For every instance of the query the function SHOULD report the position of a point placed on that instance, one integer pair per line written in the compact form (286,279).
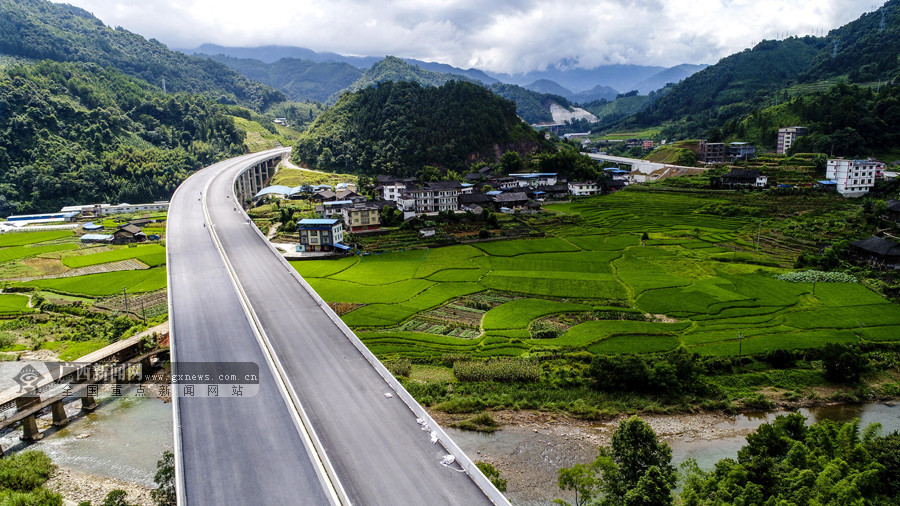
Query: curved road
(223,441)
(373,441)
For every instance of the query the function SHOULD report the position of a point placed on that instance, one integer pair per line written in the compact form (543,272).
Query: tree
(511,162)
(636,469)
(116,498)
(492,474)
(164,494)
(843,363)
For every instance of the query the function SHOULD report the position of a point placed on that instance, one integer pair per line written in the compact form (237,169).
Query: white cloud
(503,36)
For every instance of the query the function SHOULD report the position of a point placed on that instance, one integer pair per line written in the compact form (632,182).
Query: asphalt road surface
(233,450)
(379,452)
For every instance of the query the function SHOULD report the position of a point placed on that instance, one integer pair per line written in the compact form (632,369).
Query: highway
(230,450)
(371,442)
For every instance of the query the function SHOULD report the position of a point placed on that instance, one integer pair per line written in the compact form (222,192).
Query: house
(712,152)
(647,144)
(349,195)
(511,200)
(583,188)
(362,216)
(616,185)
(466,188)
(128,233)
(321,234)
(878,251)
(324,196)
(280,121)
(433,197)
(391,190)
(893,209)
(535,179)
(554,191)
(787,137)
(329,209)
(634,143)
(504,183)
(854,178)
(107,209)
(746,178)
(741,151)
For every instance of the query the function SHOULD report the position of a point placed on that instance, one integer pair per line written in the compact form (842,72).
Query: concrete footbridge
(327,423)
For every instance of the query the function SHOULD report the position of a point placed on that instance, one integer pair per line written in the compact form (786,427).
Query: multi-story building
(787,137)
(432,197)
(362,216)
(741,151)
(854,178)
(583,188)
(321,234)
(712,152)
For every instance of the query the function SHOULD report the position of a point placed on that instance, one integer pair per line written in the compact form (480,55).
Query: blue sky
(501,36)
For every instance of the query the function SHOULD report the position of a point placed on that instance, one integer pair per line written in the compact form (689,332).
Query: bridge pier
(60,418)
(88,403)
(30,430)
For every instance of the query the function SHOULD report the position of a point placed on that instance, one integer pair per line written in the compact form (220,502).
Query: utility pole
(125,298)
(758,232)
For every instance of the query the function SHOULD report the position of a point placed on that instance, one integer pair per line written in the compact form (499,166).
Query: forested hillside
(732,88)
(37,29)
(78,133)
(395,69)
(866,50)
(298,79)
(398,128)
(846,120)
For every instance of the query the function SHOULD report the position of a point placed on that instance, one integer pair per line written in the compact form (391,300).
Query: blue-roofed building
(44,218)
(321,234)
(91,226)
(277,189)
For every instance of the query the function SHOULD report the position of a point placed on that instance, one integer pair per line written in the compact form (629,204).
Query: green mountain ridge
(400,127)
(38,30)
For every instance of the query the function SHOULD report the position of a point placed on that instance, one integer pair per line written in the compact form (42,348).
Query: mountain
(619,77)
(395,69)
(598,92)
(76,133)
(731,88)
(299,79)
(37,29)
(864,50)
(549,87)
(400,127)
(674,74)
(271,54)
(443,68)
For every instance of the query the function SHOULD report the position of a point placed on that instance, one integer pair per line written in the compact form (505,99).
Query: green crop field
(152,255)
(23,238)
(104,284)
(21,252)
(13,304)
(693,278)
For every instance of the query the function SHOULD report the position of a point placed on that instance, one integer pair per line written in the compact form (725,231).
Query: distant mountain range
(575,84)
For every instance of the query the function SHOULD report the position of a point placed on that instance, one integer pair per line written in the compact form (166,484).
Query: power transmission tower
(164,85)
(837,42)
(881,26)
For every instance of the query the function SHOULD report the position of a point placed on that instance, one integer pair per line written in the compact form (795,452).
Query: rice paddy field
(694,281)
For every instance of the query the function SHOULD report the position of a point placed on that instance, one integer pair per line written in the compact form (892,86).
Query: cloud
(503,36)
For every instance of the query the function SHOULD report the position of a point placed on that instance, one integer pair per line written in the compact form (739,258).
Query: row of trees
(783,462)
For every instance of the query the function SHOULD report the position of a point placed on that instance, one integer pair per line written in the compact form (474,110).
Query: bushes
(502,370)
(675,373)
(843,363)
(24,472)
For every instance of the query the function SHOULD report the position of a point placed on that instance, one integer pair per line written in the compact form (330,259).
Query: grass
(104,284)
(14,253)
(518,314)
(73,350)
(152,255)
(23,238)
(295,177)
(13,304)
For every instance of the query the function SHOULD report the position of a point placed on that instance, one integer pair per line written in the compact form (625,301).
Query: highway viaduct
(329,424)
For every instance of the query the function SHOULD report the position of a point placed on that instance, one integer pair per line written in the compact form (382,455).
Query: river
(125,437)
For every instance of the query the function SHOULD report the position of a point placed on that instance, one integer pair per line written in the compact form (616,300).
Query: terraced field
(691,282)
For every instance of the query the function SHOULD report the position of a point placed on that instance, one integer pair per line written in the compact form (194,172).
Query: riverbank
(531,447)
(76,486)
